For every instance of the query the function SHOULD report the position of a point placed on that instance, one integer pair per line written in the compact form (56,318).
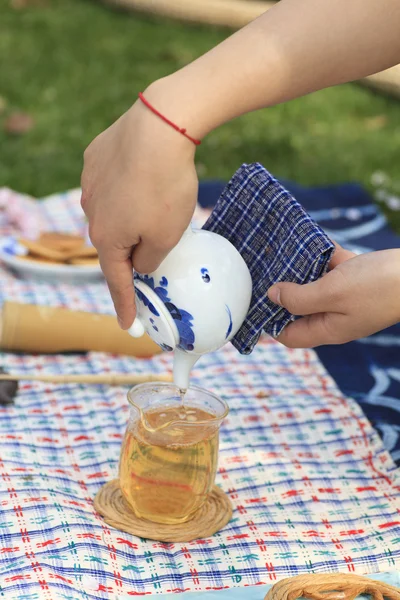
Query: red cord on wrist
(166,120)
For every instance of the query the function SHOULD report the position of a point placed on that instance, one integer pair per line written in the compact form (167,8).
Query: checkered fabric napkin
(278,241)
(312,486)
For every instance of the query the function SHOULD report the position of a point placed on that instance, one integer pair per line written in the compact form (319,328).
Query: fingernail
(119,321)
(275,295)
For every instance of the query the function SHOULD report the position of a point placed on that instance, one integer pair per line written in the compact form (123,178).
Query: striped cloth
(312,486)
(278,241)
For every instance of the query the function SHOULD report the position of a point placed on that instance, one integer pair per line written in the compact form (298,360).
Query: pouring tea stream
(195,302)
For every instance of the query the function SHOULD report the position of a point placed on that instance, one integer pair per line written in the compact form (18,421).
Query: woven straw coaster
(331,586)
(210,518)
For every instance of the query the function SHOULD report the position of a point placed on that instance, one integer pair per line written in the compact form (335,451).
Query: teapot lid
(153,317)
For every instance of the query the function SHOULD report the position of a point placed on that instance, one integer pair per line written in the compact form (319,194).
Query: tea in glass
(170,451)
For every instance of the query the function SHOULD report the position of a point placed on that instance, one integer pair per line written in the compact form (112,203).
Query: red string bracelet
(166,120)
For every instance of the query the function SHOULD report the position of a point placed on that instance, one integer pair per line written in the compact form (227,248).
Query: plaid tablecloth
(312,486)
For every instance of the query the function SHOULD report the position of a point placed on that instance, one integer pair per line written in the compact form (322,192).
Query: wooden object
(215,513)
(45,330)
(228,13)
(331,586)
(103,379)
(236,14)
(387,81)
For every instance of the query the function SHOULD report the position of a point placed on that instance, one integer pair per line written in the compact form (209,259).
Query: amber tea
(169,461)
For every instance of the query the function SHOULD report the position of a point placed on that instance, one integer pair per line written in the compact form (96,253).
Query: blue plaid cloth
(278,240)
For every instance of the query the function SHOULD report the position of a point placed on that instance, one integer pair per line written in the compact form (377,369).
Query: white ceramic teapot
(195,301)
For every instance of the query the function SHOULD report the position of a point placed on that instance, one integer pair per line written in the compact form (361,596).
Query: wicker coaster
(331,586)
(210,518)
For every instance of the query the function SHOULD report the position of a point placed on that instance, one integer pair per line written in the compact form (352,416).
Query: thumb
(301,300)
(146,258)
(153,248)
(340,255)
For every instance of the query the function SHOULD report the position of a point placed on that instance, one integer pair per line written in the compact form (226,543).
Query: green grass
(75,66)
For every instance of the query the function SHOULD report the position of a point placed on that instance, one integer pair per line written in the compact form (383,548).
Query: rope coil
(331,586)
(210,518)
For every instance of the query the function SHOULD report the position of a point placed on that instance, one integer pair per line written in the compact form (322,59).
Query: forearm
(297,47)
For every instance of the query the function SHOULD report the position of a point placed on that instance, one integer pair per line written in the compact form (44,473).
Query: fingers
(340,255)
(153,248)
(117,268)
(321,304)
(302,299)
(146,258)
(312,331)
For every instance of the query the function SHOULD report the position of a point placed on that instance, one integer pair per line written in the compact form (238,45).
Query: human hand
(139,182)
(139,192)
(358,297)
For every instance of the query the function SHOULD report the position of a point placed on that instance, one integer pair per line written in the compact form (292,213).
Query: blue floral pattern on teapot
(183,319)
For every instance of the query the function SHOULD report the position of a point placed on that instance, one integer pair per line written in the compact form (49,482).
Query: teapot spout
(183,364)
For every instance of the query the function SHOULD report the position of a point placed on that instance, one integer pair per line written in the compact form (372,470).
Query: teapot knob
(137,329)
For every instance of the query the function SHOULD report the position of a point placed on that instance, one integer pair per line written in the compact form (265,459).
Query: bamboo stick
(387,81)
(228,13)
(237,13)
(50,329)
(106,378)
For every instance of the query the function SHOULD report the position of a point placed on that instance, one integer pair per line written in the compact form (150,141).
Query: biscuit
(36,249)
(92,261)
(83,252)
(61,241)
(38,259)
(60,248)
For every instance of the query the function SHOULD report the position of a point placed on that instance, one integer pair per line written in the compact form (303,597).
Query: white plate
(51,273)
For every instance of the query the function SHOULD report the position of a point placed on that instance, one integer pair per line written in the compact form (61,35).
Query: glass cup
(169,454)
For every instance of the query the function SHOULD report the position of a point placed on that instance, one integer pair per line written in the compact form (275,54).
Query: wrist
(157,139)
(223,84)
(176,99)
